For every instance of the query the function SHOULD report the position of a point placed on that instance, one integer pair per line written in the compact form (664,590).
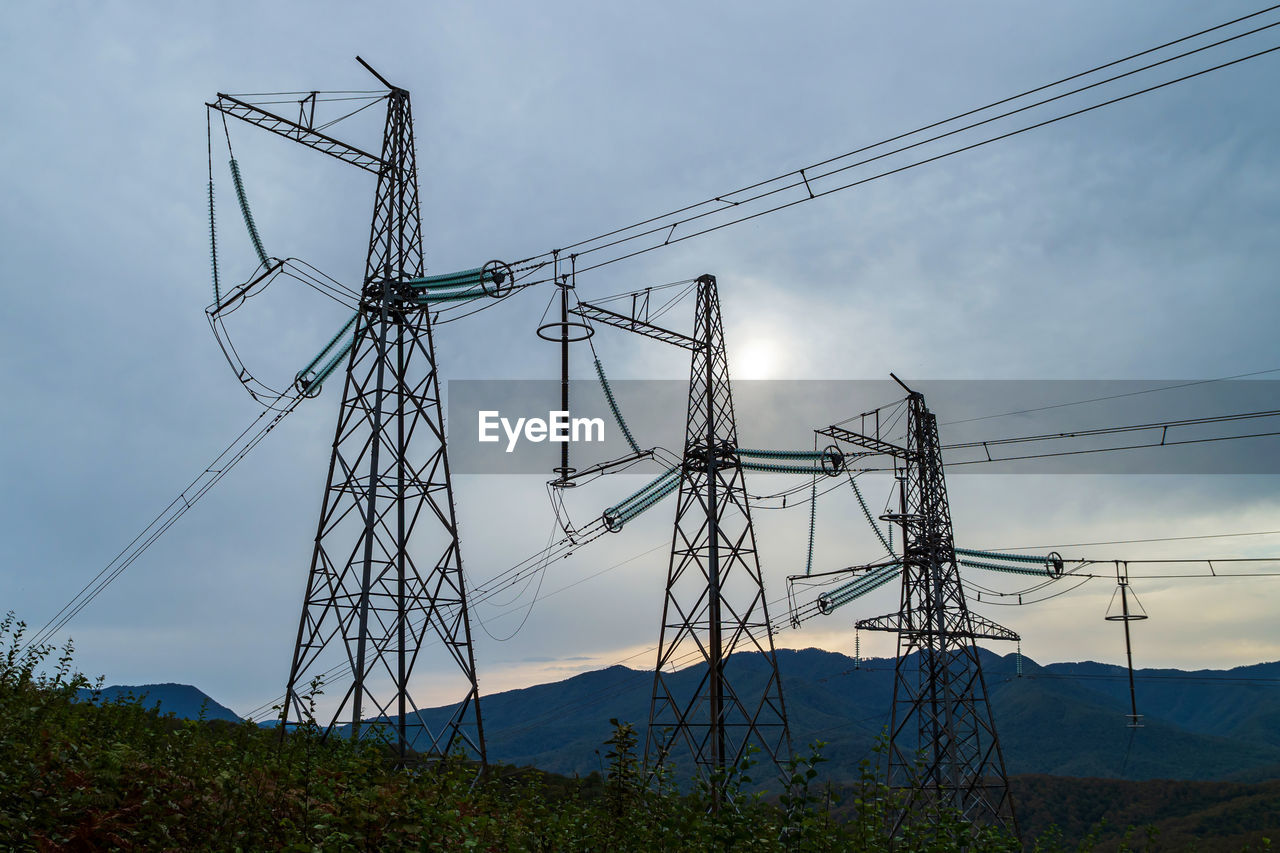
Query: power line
(1113,396)
(1163,442)
(1133,541)
(965,114)
(666,224)
(167,517)
(1115,430)
(1048,454)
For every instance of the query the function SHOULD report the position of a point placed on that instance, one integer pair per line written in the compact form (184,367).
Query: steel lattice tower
(386,573)
(715,604)
(944,753)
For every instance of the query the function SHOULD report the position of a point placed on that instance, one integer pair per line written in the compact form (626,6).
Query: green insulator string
(663,484)
(858,587)
(857,493)
(248,215)
(464,278)
(648,502)
(333,364)
(813,518)
(430,297)
(213,248)
(1019,653)
(1012,558)
(213,231)
(814,455)
(329,346)
(995,567)
(613,407)
(857,649)
(770,468)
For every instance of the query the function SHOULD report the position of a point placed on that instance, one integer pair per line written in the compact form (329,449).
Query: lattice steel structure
(714,603)
(944,753)
(386,572)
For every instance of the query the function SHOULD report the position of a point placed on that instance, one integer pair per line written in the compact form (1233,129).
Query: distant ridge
(182,700)
(1061,719)
(1064,719)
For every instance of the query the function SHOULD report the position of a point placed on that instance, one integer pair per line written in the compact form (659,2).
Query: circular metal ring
(1053,564)
(306,387)
(612,522)
(1132,617)
(832,460)
(501,272)
(824,604)
(566,335)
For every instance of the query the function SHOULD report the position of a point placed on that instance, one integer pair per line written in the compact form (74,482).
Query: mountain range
(1065,719)
(1062,719)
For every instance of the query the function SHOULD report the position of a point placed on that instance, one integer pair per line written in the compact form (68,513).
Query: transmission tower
(386,571)
(944,754)
(714,603)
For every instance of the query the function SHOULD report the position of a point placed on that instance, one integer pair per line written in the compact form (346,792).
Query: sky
(1136,242)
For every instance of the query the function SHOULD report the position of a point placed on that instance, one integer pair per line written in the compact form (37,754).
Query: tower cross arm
(281,126)
(587,311)
(979,628)
(871,443)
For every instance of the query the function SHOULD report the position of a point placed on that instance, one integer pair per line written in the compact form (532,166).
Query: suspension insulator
(308,379)
(813,524)
(858,587)
(613,407)
(493,279)
(1011,558)
(753,453)
(996,567)
(311,377)
(771,468)
(213,246)
(857,493)
(434,297)
(248,214)
(620,513)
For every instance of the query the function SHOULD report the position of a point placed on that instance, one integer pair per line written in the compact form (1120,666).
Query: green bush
(116,775)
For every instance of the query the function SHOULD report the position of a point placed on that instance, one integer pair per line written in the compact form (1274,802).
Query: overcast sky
(1136,242)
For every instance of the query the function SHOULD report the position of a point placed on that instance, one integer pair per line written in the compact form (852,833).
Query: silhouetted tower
(943,750)
(714,604)
(386,574)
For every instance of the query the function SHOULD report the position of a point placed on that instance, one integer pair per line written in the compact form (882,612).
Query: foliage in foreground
(96,776)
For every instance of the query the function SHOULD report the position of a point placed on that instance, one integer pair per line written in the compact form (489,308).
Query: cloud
(1137,242)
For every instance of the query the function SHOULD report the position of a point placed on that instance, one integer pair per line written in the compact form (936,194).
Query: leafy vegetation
(106,775)
(1201,816)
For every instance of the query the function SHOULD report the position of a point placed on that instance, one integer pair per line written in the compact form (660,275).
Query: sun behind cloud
(755,358)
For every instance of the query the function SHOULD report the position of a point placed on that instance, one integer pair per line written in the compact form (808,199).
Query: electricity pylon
(714,605)
(944,754)
(386,571)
